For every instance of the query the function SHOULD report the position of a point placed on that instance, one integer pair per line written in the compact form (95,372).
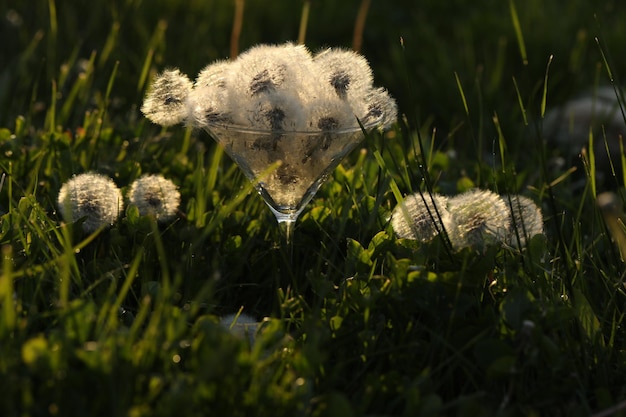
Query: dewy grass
(125,319)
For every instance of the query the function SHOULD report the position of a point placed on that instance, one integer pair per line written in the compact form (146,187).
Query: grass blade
(518,32)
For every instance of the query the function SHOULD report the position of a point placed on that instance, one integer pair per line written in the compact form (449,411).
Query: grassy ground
(125,321)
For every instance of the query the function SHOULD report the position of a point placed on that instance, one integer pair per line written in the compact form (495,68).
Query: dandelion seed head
(271,112)
(165,103)
(329,113)
(91,196)
(155,195)
(214,75)
(267,80)
(207,102)
(340,81)
(379,107)
(327,123)
(526,220)
(482,218)
(345,71)
(266,69)
(421,217)
(205,106)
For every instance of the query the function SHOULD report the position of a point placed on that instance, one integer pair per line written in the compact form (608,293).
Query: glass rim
(245,129)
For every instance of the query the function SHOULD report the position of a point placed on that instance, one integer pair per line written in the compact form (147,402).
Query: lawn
(146,317)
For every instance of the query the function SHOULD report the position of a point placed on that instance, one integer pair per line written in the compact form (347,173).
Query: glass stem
(286,227)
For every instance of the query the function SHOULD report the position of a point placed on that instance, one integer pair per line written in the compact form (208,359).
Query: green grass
(126,321)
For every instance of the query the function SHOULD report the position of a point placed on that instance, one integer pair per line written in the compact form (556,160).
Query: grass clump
(135,317)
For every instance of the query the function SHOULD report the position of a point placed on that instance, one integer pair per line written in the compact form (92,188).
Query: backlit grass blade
(501,141)
(145,70)
(7,321)
(518,32)
(131,274)
(544,96)
(604,60)
(304,20)
(392,183)
(460,88)
(109,45)
(520,102)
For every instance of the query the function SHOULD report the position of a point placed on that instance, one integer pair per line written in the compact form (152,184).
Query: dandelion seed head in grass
(155,195)
(93,197)
(421,217)
(526,220)
(166,100)
(482,218)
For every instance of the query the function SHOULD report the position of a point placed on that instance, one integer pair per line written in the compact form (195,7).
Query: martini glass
(286,167)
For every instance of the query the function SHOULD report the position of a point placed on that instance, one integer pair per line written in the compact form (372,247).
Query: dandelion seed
(482,218)
(166,100)
(526,220)
(155,195)
(421,217)
(93,197)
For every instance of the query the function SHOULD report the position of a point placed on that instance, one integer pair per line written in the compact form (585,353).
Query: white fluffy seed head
(155,195)
(273,111)
(421,217)
(380,108)
(93,197)
(264,69)
(207,102)
(346,72)
(214,75)
(329,113)
(526,220)
(266,86)
(166,101)
(205,107)
(482,218)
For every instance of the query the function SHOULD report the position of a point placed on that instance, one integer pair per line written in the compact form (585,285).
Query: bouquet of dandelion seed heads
(279,88)
(278,103)
(475,219)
